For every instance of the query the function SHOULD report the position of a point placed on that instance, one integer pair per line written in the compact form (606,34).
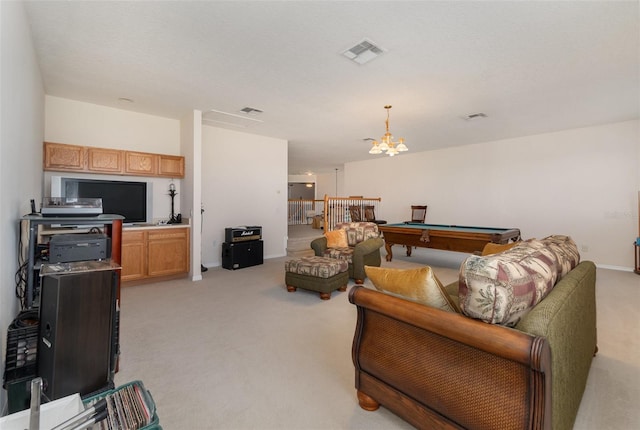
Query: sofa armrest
(438,369)
(319,246)
(567,319)
(368,246)
(367,253)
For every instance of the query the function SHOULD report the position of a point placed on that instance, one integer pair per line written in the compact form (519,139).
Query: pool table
(445,237)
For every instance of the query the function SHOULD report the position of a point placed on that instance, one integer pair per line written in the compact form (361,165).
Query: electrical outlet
(584,248)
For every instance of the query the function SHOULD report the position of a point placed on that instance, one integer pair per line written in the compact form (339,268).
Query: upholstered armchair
(358,243)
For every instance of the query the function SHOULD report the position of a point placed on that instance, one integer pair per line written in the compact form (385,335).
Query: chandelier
(386,144)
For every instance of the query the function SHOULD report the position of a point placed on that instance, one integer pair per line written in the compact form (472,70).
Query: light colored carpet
(237,351)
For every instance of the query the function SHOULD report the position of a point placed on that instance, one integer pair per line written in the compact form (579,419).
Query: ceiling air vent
(363,52)
(474,116)
(251,111)
(218,117)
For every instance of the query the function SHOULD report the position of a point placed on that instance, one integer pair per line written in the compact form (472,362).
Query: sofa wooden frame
(523,397)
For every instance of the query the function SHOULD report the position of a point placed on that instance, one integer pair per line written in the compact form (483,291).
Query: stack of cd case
(129,406)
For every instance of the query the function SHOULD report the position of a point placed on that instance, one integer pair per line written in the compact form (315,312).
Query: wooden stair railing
(334,210)
(337,208)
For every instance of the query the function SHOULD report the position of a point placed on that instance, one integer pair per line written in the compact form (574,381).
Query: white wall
(328,183)
(86,124)
(244,182)
(78,123)
(579,182)
(21,134)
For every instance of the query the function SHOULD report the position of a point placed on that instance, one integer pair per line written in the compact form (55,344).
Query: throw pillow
(418,285)
(502,288)
(495,248)
(566,251)
(337,238)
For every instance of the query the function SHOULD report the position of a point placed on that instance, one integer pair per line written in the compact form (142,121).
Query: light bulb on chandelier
(386,144)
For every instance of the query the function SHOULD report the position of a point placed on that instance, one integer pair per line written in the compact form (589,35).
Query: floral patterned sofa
(508,346)
(358,243)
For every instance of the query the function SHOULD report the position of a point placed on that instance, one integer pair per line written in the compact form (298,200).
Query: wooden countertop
(150,226)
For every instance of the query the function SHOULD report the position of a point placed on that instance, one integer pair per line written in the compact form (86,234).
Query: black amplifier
(65,248)
(242,234)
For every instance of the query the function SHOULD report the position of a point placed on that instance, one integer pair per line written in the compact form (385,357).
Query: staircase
(299,241)
(299,247)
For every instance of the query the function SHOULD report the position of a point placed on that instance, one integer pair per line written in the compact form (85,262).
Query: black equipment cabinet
(238,255)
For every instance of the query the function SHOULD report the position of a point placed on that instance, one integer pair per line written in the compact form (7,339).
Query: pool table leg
(387,247)
(409,247)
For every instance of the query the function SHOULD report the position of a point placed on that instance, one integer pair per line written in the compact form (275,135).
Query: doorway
(302,190)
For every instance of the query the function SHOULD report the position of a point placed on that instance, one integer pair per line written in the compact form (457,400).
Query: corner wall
(86,124)
(191,198)
(579,182)
(21,134)
(244,182)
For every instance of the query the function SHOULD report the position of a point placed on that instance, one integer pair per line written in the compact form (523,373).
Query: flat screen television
(125,198)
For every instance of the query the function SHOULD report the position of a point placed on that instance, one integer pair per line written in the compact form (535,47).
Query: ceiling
(531,67)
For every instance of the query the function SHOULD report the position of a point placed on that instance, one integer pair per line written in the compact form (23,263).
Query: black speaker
(77,324)
(238,255)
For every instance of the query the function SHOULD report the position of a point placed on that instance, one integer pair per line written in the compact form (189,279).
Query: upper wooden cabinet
(104,160)
(63,157)
(140,163)
(171,166)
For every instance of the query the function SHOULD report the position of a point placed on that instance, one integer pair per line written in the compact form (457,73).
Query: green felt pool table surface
(445,237)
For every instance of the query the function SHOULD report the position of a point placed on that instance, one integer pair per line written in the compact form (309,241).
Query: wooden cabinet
(155,252)
(134,255)
(168,251)
(87,159)
(140,163)
(171,166)
(58,156)
(104,160)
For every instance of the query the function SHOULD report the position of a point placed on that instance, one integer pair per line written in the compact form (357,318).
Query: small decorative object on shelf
(174,219)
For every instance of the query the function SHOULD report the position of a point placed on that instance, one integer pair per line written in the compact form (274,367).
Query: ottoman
(320,274)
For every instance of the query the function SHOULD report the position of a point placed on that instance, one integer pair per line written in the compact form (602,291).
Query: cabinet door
(171,166)
(134,255)
(104,160)
(59,156)
(168,252)
(140,163)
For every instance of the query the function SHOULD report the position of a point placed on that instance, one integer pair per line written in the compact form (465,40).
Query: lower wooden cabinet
(133,255)
(154,252)
(168,251)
